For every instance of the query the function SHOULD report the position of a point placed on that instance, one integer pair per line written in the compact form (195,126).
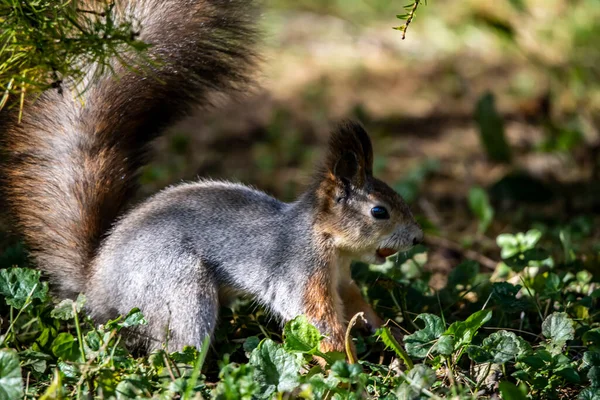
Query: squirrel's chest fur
(239,238)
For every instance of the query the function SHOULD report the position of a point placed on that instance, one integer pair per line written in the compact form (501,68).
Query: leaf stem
(348,338)
(79,334)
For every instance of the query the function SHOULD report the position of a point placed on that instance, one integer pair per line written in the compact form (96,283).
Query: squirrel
(70,168)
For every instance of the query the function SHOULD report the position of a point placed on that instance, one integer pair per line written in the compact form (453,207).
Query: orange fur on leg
(323,307)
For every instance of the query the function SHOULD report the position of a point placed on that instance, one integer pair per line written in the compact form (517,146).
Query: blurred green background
(485,118)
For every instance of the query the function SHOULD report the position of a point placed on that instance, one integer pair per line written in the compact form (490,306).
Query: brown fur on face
(346,192)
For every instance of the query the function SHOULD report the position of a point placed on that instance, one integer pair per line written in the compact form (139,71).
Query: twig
(468,253)
(348,338)
(168,365)
(27,384)
(409,18)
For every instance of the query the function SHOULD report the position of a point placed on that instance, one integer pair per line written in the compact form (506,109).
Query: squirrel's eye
(380,212)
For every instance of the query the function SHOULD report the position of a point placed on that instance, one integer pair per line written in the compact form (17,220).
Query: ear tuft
(347,167)
(350,153)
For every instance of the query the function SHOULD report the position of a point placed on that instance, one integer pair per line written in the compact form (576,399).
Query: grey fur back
(192,240)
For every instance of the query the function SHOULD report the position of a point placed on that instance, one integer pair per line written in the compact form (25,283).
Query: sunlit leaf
(11,382)
(19,284)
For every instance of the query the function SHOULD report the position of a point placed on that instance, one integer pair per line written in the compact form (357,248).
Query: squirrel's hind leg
(176,292)
(184,313)
(193,316)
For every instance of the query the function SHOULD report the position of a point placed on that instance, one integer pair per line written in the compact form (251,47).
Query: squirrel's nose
(418,237)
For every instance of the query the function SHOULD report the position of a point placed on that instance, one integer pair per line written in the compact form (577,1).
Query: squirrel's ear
(350,154)
(348,168)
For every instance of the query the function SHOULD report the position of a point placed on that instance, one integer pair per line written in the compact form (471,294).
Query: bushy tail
(71,164)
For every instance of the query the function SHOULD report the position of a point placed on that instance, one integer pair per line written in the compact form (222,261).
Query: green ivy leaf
(236,382)
(589,394)
(64,309)
(251,343)
(189,355)
(591,362)
(11,382)
(531,238)
(557,328)
(512,245)
(592,338)
(569,374)
(419,343)
(521,260)
(319,387)
(34,359)
(508,243)
(275,369)
(539,356)
(93,340)
(547,285)
(498,348)
(345,372)
(19,284)
(69,370)
(534,361)
(591,359)
(107,381)
(444,345)
(464,331)
(510,391)
(65,347)
(521,375)
(301,336)
(504,294)
(133,318)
